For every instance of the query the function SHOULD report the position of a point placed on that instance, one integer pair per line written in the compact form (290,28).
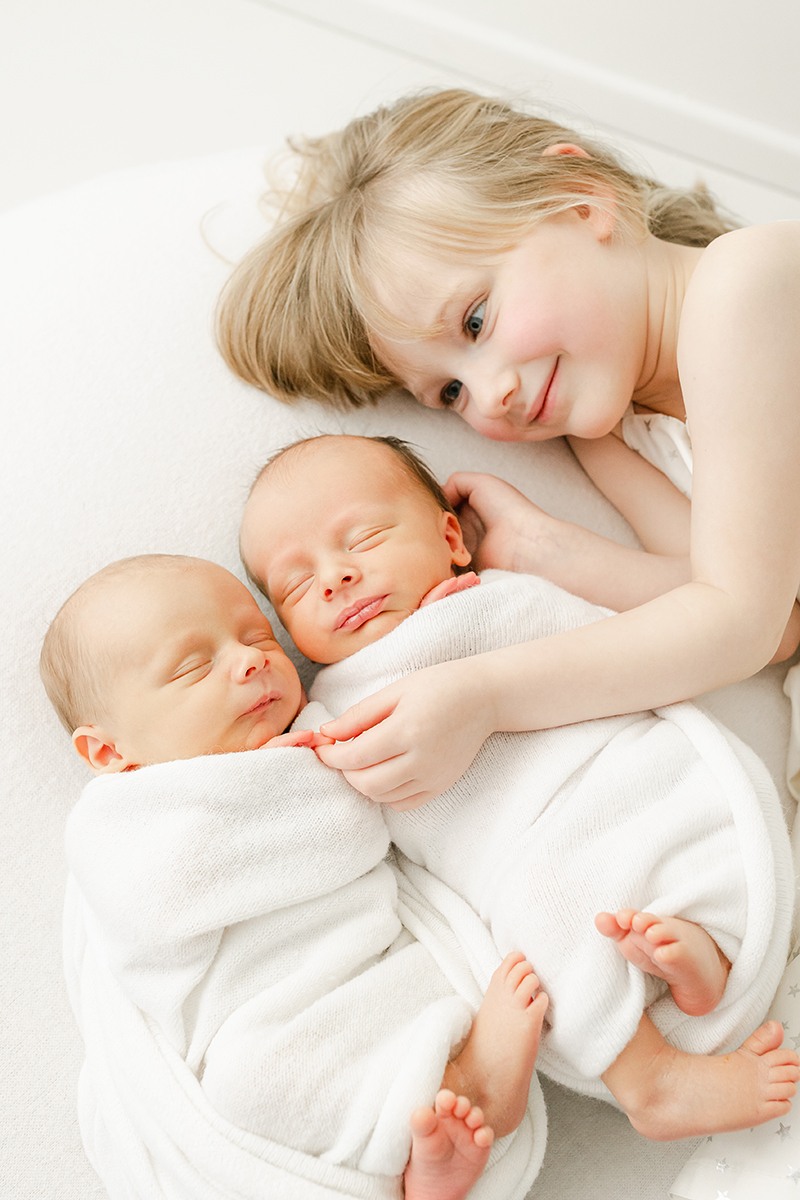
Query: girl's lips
(356,615)
(543,403)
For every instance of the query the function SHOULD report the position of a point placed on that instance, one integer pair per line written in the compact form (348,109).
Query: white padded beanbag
(123,432)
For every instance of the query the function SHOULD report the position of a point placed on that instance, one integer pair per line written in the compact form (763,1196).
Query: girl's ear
(96,747)
(566,148)
(460,555)
(603,217)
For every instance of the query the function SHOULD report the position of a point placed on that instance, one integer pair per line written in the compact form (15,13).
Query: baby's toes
(528,988)
(445,1102)
(474,1118)
(784,1073)
(644,922)
(626,917)
(483,1137)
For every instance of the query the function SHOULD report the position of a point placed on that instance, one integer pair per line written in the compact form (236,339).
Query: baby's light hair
(75,673)
(411,465)
(442,172)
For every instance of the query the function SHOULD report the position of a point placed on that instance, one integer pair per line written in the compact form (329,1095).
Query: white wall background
(88,86)
(715,79)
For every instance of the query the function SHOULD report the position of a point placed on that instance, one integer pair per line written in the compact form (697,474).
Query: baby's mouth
(357,614)
(264,703)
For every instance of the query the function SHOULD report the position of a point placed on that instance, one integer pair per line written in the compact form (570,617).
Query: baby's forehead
(128,613)
(303,464)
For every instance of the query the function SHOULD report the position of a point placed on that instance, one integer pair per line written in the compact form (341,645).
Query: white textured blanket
(258,1022)
(665,812)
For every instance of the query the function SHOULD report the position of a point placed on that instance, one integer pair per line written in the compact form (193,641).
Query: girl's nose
(493,394)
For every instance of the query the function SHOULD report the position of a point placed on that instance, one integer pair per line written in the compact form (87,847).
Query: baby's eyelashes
(367,540)
(294,590)
(191,670)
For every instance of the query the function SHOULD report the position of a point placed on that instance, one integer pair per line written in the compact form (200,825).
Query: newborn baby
(349,537)
(237,890)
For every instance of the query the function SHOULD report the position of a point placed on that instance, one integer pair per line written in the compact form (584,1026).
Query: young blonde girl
(500,265)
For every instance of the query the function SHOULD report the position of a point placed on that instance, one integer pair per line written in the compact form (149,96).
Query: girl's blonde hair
(444,173)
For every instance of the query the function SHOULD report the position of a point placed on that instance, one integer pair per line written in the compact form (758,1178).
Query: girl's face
(547,339)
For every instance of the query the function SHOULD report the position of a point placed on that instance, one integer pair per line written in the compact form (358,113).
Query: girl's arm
(658,513)
(660,516)
(740,370)
(507,531)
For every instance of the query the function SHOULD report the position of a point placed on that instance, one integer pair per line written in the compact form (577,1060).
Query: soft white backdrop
(91,86)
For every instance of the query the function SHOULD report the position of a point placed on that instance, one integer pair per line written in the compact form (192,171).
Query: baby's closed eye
(293,589)
(368,539)
(191,670)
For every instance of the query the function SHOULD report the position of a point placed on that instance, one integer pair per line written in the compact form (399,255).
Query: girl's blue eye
(474,322)
(451,392)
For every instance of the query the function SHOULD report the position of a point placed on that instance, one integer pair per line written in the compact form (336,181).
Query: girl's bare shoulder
(754,263)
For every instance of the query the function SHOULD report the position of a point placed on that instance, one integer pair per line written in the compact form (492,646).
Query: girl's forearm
(675,647)
(604,572)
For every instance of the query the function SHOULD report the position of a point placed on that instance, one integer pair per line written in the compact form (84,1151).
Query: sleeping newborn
(233,891)
(640,862)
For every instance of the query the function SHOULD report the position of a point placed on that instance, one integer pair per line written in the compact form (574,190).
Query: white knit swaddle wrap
(257,1021)
(663,811)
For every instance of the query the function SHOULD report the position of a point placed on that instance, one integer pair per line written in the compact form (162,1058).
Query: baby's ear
(96,747)
(460,555)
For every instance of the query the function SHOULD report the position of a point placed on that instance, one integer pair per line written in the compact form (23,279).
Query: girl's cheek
(496,431)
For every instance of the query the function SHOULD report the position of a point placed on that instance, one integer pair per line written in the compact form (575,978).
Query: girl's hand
(501,527)
(414,739)
(299,737)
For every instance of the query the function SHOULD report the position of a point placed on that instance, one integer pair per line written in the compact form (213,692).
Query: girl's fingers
(460,485)
(362,716)
(364,753)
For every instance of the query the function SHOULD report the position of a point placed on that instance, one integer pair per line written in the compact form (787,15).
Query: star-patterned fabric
(753,1164)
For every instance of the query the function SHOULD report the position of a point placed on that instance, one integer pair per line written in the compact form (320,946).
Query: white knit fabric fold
(665,812)
(258,1022)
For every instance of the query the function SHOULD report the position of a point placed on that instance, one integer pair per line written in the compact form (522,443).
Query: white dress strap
(664,441)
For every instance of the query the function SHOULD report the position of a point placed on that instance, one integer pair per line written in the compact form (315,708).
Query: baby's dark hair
(409,461)
(446,172)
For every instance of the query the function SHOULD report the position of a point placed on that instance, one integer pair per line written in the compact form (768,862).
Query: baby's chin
(348,644)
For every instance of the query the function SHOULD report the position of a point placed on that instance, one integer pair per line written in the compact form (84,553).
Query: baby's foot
(686,1095)
(449,1148)
(496,1064)
(675,950)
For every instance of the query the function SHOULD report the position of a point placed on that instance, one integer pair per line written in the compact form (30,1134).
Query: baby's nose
(251,661)
(337,580)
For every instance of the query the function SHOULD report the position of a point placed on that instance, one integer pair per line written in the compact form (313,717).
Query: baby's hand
(458,583)
(299,737)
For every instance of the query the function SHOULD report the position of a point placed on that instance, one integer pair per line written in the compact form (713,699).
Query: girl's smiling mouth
(357,614)
(542,406)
